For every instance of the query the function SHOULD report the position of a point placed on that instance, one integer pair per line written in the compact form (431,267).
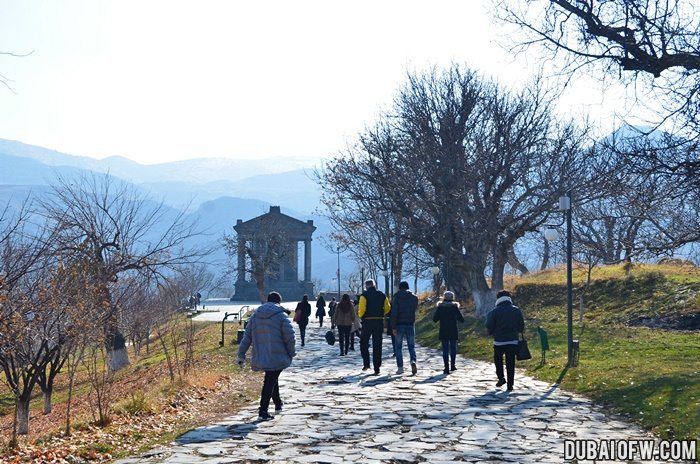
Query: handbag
(356,325)
(523,351)
(330,337)
(297,315)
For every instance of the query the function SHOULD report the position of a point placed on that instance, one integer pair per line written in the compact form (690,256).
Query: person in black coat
(304,310)
(320,309)
(504,323)
(448,314)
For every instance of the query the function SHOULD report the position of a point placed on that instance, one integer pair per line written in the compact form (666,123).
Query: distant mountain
(193,171)
(216,192)
(293,189)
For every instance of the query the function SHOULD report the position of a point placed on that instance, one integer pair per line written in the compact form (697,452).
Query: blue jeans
(409,332)
(449,347)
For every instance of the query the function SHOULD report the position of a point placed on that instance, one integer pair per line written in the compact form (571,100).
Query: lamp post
(337,249)
(552,234)
(385,273)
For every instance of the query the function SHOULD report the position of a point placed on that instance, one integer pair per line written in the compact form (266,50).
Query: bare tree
(119,231)
(469,167)
(653,45)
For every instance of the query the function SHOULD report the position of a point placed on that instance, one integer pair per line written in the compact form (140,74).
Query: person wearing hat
(402,321)
(448,314)
(272,337)
(504,323)
(373,307)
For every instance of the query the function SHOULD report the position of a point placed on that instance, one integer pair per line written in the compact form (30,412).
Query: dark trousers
(449,348)
(302,332)
(320,321)
(509,351)
(270,389)
(344,338)
(375,329)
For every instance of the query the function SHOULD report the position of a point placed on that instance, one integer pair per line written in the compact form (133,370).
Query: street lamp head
(564,203)
(435,270)
(551,234)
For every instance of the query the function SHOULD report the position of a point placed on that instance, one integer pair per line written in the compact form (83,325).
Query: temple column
(241,259)
(307,260)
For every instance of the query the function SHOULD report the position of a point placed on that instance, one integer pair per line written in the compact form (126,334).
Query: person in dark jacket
(331,311)
(373,306)
(272,337)
(504,323)
(448,314)
(343,317)
(320,309)
(304,308)
(402,324)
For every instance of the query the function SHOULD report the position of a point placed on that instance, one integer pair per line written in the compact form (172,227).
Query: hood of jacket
(268,310)
(448,303)
(403,295)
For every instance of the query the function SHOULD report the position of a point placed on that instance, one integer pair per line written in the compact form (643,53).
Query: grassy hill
(628,363)
(147,408)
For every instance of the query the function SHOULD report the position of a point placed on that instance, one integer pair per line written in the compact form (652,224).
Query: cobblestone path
(334,412)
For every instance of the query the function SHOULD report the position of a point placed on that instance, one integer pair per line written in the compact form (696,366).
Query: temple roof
(294,228)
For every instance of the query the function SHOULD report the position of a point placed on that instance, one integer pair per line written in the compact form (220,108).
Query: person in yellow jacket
(372,308)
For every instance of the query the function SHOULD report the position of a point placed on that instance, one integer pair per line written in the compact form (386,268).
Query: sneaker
(453,368)
(278,407)
(263,416)
(399,371)
(376,372)
(446,371)
(414,368)
(366,368)
(510,388)
(500,383)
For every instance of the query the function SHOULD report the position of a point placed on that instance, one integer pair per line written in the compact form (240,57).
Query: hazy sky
(159,80)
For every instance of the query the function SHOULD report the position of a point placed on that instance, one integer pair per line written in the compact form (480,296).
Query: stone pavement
(334,412)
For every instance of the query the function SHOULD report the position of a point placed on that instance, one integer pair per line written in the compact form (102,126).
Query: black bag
(330,337)
(523,351)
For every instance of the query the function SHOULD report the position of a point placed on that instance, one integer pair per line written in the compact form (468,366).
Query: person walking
(331,311)
(504,323)
(343,317)
(373,306)
(448,314)
(402,324)
(272,337)
(303,310)
(320,309)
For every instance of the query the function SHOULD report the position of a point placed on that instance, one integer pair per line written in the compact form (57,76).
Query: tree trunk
(515,262)
(23,415)
(116,352)
(47,400)
(545,255)
(499,266)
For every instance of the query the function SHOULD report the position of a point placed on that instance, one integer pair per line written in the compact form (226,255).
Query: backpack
(330,337)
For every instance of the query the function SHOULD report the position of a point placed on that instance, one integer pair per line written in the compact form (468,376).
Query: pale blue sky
(159,80)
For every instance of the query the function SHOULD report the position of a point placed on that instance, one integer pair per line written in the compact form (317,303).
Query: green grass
(650,375)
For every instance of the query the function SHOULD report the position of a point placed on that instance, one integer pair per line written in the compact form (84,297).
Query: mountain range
(214,192)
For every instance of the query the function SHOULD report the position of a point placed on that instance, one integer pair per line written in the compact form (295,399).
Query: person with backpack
(402,321)
(270,333)
(373,307)
(320,309)
(302,313)
(504,323)
(448,314)
(331,311)
(343,317)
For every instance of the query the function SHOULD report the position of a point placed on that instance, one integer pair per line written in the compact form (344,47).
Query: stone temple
(283,233)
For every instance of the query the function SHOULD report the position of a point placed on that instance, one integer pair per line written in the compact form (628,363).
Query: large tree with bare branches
(121,233)
(651,44)
(469,167)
